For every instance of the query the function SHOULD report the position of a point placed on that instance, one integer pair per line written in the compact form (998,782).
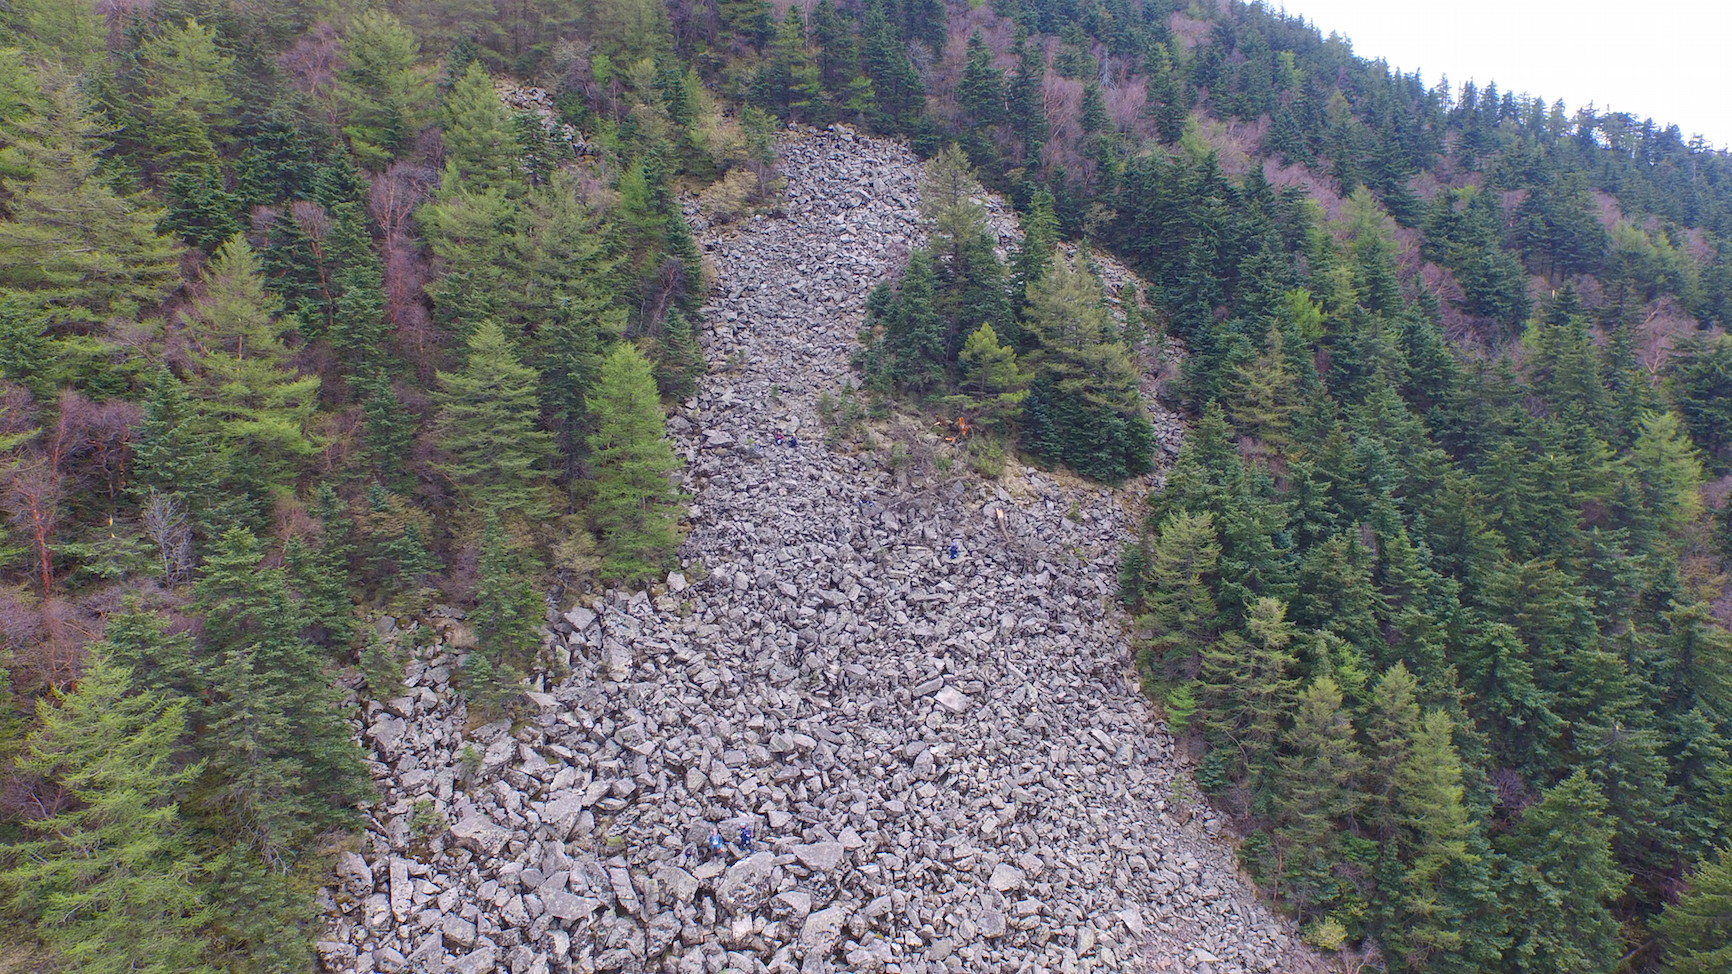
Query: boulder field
(884,719)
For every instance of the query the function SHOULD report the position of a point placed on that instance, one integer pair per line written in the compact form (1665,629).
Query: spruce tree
(113,881)
(1085,407)
(482,151)
(283,762)
(1177,588)
(1317,793)
(259,409)
(981,90)
(636,505)
(993,384)
(1562,873)
(382,88)
(1696,931)
(74,247)
(493,453)
(507,617)
(186,96)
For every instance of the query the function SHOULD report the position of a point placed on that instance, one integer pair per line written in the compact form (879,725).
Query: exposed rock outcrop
(911,692)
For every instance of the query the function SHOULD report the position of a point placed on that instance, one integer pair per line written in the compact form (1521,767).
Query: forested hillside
(310,310)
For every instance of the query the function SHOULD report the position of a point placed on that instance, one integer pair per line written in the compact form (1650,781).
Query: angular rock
(746,884)
(478,833)
(820,856)
(482,961)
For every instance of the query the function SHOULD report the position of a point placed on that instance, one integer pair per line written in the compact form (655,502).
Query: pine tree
(477,234)
(114,881)
(636,504)
(73,32)
(1026,97)
(1039,241)
(1561,872)
(482,151)
(1320,766)
(1085,408)
(1176,588)
(283,763)
(993,384)
(1442,865)
(912,337)
(186,96)
(177,473)
(74,247)
(1264,394)
(158,660)
(259,409)
(981,90)
(1669,473)
(382,88)
(494,454)
(507,616)
(1697,930)
(320,569)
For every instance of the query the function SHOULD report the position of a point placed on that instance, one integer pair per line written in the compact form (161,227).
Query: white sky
(1669,60)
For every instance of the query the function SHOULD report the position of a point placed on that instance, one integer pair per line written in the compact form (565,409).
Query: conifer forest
(316,312)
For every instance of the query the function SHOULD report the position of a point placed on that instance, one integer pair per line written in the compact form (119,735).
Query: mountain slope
(944,760)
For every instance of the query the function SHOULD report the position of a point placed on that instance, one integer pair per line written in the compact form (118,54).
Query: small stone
(821,930)
(580,618)
(458,931)
(483,961)
(952,700)
(338,958)
(1006,877)
(356,875)
(565,906)
(389,960)
(796,902)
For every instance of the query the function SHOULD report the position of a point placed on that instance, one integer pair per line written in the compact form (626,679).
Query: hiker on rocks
(779,438)
(746,839)
(793,442)
(954,551)
(717,843)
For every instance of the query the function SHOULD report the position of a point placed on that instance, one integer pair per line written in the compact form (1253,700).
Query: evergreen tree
(636,506)
(1084,409)
(1320,766)
(259,409)
(185,81)
(494,455)
(74,247)
(74,32)
(1563,875)
(1027,98)
(1443,867)
(1246,687)
(283,763)
(993,384)
(382,87)
(482,151)
(507,616)
(981,90)
(113,881)
(1697,930)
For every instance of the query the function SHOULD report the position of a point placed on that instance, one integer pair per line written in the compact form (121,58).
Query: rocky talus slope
(942,758)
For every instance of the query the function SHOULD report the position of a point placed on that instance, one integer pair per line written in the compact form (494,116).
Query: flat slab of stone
(820,856)
(952,699)
(478,833)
